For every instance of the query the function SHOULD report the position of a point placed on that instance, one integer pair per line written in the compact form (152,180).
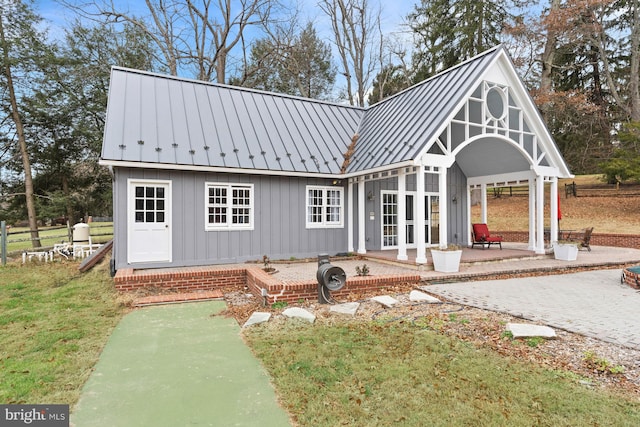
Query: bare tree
(608,34)
(196,34)
(627,95)
(549,52)
(395,72)
(225,33)
(355,26)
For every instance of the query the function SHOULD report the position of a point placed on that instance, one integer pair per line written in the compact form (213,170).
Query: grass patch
(377,374)
(55,322)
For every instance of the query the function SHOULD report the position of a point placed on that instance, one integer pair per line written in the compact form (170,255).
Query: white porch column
(553,205)
(350,215)
(421,251)
(539,214)
(362,218)
(442,206)
(469,226)
(402,216)
(483,200)
(532,215)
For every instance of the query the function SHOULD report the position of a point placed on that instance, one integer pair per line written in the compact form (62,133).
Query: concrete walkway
(176,365)
(592,303)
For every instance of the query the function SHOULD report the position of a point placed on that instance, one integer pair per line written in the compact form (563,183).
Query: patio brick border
(597,239)
(631,278)
(199,279)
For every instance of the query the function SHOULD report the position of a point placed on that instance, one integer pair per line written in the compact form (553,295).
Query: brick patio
(297,280)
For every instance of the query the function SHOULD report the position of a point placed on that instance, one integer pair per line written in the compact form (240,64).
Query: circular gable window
(496,103)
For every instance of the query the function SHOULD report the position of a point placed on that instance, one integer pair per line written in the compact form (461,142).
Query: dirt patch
(607,214)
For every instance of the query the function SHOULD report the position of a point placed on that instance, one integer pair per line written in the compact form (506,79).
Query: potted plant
(447,260)
(565,250)
(267,265)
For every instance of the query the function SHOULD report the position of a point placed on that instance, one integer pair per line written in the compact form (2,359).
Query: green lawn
(374,374)
(55,322)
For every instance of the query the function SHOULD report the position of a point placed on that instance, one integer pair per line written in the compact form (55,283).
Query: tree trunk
(24,153)
(67,199)
(221,66)
(548,55)
(634,84)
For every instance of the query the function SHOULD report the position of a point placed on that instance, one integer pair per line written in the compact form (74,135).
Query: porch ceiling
(491,156)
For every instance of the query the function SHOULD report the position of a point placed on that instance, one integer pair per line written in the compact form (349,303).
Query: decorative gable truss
(490,110)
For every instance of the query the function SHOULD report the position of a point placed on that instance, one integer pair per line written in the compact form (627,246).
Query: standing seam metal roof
(160,119)
(396,129)
(167,120)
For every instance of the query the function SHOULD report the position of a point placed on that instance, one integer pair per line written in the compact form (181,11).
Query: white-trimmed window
(228,206)
(324,207)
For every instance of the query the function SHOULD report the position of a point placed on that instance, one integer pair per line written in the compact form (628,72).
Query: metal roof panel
(189,122)
(398,128)
(157,119)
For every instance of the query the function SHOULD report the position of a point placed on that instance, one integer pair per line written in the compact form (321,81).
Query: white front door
(149,223)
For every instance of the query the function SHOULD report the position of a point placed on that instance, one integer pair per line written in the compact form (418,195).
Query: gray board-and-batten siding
(279,217)
(279,220)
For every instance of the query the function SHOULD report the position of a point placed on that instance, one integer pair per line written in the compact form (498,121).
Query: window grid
(229,206)
(389,219)
(324,207)
(149,204)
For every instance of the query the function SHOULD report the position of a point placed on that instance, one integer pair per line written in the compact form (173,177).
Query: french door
(390,214)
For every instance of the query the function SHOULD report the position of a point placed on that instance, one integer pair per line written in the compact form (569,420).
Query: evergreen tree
(389,81)
(449,32)
(300,66)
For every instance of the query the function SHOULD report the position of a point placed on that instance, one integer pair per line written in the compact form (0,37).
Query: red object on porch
(481,236)
(559,211)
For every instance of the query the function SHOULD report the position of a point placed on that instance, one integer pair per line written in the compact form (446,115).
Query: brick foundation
(179,279)
(597,239)
(256,279)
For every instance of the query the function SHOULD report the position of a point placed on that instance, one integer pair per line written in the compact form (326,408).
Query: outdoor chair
(584,238)
(482,236)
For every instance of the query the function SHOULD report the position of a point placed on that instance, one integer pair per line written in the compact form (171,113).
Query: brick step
(177,298)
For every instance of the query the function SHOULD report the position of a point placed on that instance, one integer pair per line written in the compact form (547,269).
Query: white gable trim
(501,71)
(504,66)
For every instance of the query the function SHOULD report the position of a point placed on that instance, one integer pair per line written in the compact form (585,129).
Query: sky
(393,13)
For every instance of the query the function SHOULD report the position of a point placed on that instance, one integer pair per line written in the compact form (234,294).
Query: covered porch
(492,137)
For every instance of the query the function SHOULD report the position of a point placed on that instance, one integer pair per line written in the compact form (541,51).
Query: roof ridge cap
(233,87)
